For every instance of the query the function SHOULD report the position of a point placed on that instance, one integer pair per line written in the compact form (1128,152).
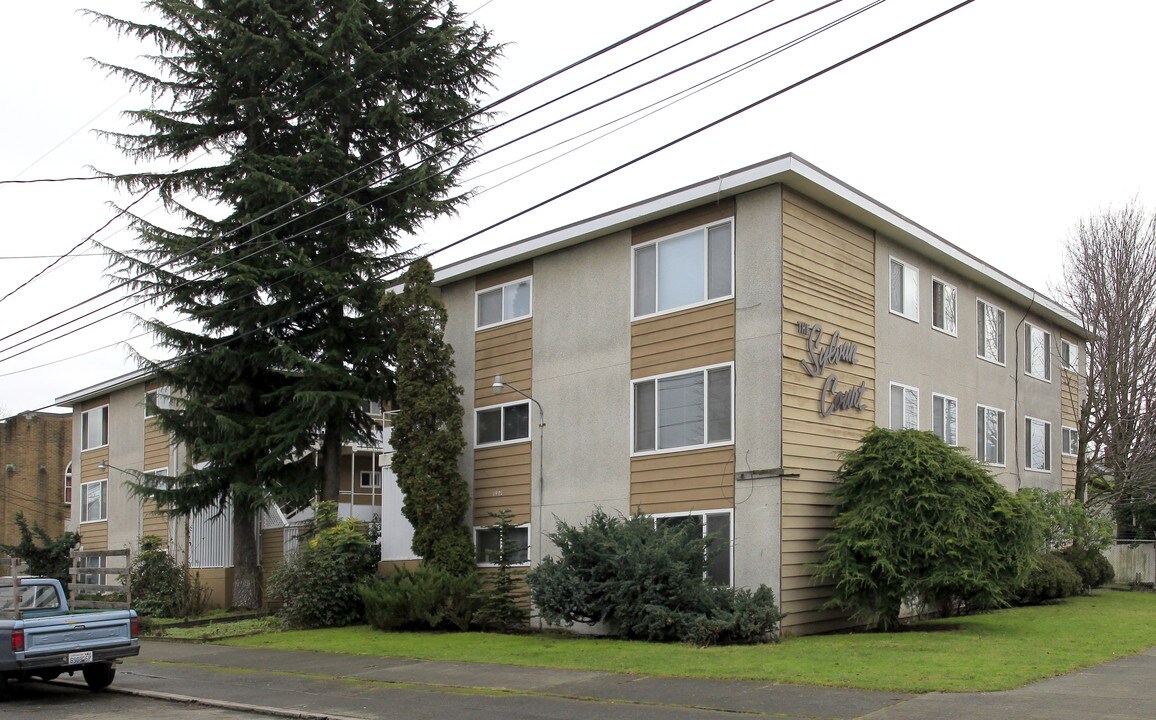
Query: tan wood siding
(502,481)
(272,548)
(1070,385)
(90,463)
(683,221)
(506,350)
(94,536)
(504,275)
(156,446)
(683,481)
(683,340)
(154,522)
(829,279)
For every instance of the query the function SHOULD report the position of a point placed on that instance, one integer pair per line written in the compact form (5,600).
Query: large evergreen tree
(321,132)
(427,432)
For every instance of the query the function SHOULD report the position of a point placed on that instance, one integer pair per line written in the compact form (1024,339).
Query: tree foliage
(1067,522)
(920,522)
(1110,282)
(162,587)
(319,133)
(427,431)
(646,580)
(50,557)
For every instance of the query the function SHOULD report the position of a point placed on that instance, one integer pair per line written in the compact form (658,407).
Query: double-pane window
(491,542)
(504,303)
(716,527)
(505,423)
(1038,444)
(991,332)
(158,399)
(683,270)
(1069,356)
(93,502)
(989,435)
(943,315)
(945,423)
(1069,441)
(94,428)
(904,407)
(683,410)
(1037,352)
(904,290)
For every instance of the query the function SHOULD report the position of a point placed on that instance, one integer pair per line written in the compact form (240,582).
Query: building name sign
(826,352)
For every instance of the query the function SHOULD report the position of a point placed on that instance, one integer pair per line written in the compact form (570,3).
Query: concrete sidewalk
(304,684)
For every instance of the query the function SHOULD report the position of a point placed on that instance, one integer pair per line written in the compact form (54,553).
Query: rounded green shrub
(426,598)
(1093,568)
(317,584)
(161,587)
(1052,579)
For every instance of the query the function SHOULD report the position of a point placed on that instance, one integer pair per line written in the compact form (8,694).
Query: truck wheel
(98,676)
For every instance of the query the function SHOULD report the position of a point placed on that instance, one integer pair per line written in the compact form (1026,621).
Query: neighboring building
(114,431)
(708,353)
(35,476)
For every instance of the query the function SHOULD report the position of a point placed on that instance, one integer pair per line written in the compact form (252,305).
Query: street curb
(222,704)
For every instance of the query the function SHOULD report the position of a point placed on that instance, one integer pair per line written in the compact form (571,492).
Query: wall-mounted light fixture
(10,468)
(497,386)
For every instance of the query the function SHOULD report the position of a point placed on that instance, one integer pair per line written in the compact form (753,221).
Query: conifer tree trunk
(246,565)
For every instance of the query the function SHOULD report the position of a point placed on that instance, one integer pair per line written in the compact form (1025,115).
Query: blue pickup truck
(40,637)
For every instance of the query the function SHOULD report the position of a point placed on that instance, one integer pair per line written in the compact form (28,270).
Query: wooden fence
(92,571)
(1134,561)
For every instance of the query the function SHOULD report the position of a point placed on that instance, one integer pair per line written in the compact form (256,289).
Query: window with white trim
(504,303)
(683,270)
(990,431)
(1038,444)
(715,526)
(990,322)
(68,484)
(904,290)
(157,399)
(94,505)
(904,407)
(94,428)
(1069,441)
(369,479)
(943,307)
(490,541)
(945,418)
(1069,356)
(1037,352)
(683,410)
(502,423)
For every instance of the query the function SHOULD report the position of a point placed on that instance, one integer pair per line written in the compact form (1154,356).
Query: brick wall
(35,449)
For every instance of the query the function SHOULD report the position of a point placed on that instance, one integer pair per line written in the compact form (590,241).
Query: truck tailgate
(62,634)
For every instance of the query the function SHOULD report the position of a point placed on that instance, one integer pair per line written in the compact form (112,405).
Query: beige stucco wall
(916,354)
(758,388)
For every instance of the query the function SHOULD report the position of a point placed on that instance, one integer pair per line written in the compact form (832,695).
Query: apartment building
(707,354)
(35,475)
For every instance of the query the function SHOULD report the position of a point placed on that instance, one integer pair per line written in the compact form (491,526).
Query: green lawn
(993,651)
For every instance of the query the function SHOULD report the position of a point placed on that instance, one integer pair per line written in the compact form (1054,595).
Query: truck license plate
(80,658)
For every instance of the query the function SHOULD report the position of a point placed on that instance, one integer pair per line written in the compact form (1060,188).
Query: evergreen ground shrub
(425,598)
(1052,579)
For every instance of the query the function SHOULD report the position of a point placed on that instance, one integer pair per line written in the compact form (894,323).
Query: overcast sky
(996,127)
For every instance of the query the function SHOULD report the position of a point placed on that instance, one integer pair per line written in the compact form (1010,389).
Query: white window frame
(953,330)
(161,400)
(704,371)
(84,489)
(1029,368)
(702,515)
(1069,356)
(68,484)
(914,391)
(529,279)
(942,417)
(980,328)
(1069,437)
(502,407)
(375,479)
(1030,423)
(85,423)
(911,285)
(657,243)
(981,436)
(478,530)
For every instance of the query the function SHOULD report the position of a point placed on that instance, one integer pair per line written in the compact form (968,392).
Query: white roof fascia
(102,388)
(796,173)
